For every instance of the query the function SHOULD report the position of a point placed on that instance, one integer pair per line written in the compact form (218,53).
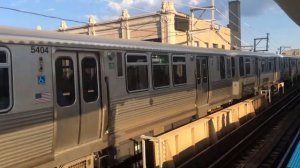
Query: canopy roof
(291,8)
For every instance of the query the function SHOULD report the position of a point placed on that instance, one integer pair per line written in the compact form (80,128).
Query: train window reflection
(65,86)
(137,73)
(4,89)
(160,70)
(179,70)
(89,79)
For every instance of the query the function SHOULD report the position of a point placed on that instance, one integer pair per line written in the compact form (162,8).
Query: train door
(77,107)
(202,79)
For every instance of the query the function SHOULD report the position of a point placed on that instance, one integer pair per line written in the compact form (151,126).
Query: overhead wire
(274,50)
(249,27)
(66,19)
(76,21)
(42,15)
(190,6)
(82,22)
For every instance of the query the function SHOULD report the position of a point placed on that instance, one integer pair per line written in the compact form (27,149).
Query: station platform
(294,161)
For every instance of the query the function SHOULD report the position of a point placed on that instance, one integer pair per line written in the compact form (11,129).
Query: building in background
(165,26)
(235,23)
(295,52)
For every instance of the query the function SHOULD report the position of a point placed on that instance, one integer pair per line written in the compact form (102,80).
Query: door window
(65,85)
(4,82)
(205,71)
(89,79)
(222,67)
(198,71)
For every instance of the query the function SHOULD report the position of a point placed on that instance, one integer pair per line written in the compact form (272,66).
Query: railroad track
(258,143)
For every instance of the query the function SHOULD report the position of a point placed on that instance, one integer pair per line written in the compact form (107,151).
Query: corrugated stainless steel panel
(25,136)
(150,108)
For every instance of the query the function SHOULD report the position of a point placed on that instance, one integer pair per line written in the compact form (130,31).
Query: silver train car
(74,100)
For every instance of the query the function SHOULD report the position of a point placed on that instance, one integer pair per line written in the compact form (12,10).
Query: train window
(270,64)
(120,64)
(255,65)
(4,82)
(263,65)
(247,66)
(160,70)
(65,84)
(233,67)
(222,67)
(89,79)
(179,70)
(241,66)
(137,73)
(228,65)
(4,88)
(3,57)
(5,95)
(136,58)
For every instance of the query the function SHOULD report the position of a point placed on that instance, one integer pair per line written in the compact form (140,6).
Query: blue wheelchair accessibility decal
(41,79)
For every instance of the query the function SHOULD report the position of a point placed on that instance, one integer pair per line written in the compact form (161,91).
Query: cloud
(256,7)
(50,9)
(115,6)
(118,5)
(248,7)
(194,2)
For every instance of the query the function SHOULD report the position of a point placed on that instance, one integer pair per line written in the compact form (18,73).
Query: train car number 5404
(39,49)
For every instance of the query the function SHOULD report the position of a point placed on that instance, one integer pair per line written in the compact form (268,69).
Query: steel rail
(280,105)
(255,131)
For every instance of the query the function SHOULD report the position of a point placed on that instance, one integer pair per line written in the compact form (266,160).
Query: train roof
(38,37)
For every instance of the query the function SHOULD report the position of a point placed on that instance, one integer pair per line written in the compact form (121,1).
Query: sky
(258,17)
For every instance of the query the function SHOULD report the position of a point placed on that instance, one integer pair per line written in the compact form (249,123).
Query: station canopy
(292,8)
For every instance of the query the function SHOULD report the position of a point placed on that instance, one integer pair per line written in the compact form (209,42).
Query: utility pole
(203,9)
(213,14)
(258,40)
(282,48)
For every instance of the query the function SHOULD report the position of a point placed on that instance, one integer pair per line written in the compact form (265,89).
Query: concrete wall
(178,145)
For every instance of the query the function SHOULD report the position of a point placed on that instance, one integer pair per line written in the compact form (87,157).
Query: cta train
(79,101)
